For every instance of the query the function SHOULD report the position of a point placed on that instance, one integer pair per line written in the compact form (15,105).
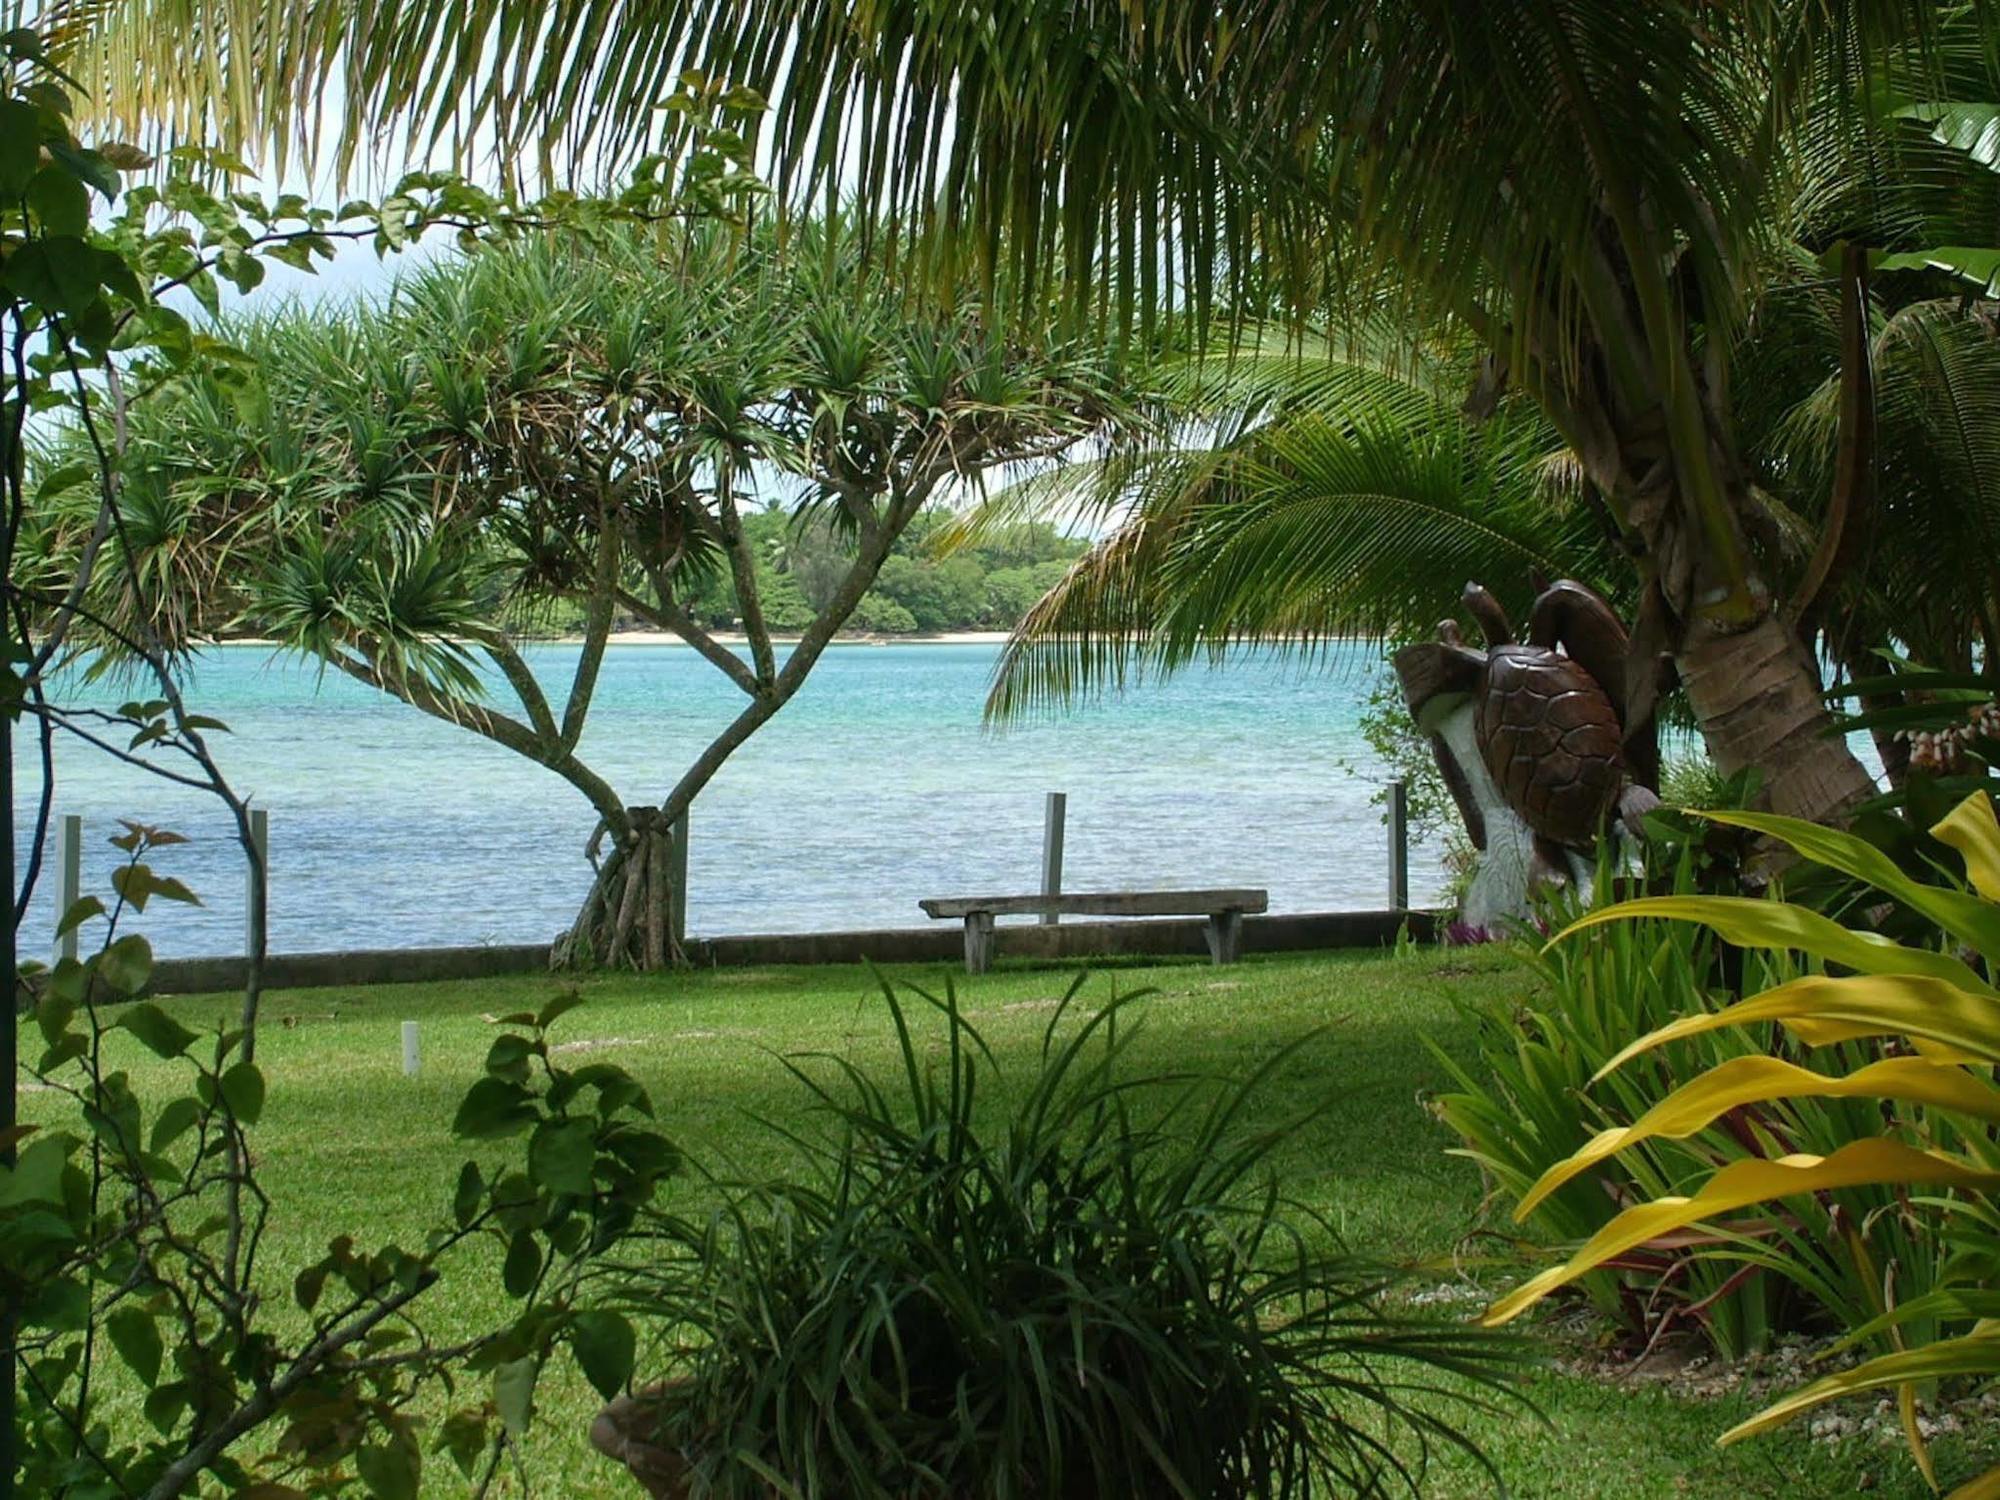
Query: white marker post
(410,1055)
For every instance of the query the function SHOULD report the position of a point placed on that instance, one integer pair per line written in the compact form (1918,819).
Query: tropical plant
(1924,1131)
(1525,1101)
(1593,193)
(1081,1283)
(403,491)
(1300,499)
(133,1220)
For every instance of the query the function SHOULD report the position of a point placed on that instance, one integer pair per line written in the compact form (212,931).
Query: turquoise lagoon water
(877,786)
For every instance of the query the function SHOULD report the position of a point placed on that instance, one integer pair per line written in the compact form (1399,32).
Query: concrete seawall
(944,942)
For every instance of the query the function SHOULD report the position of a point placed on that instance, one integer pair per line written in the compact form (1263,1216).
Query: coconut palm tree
(1296,497)
(1593,190)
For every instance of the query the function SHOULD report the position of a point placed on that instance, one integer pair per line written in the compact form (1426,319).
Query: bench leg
(1225,936)
(978,942)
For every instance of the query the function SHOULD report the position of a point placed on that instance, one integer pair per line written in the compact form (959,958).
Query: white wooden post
(410,1054)
(69,869)
(254,894)
(1399,846)
(677,873)
(1052,850)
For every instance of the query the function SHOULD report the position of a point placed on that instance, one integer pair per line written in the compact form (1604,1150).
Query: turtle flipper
(1548,865)
(1633,805)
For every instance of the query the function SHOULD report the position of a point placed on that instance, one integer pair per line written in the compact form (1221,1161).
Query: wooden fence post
(1399,846)
(1053,813)
(69,868)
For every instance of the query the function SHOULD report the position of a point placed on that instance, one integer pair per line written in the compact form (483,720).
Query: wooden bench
(1223,908)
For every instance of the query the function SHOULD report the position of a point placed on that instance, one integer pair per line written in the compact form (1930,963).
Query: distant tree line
(990,583)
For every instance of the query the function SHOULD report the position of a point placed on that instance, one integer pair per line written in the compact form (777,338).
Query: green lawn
(350,1145)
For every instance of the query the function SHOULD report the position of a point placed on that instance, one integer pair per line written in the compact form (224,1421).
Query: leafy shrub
(1070,1301)
(1922,1131)
(1536,1092)
(132,1220)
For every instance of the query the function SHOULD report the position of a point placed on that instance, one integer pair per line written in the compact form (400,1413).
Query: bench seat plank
(1195,903)
(1224,907)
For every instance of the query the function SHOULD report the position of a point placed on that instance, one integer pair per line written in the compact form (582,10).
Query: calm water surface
(875,787)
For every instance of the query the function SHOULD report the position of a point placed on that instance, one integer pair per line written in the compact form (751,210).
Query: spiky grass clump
(1056,1299)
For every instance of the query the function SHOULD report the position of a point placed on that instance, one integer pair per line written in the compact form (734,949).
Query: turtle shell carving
(1565,743)
(1552,741)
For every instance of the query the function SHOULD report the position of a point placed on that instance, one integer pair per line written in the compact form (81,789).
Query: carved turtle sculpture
(1549,718)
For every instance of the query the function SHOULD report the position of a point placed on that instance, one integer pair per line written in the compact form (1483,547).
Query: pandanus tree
(402,492)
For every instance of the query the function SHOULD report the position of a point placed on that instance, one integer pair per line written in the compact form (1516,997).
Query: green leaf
(20,146)
(561,1005)
(88,165)
(1965,916)
(1977,264)
(463,1436)
(390,1470)
(159,1031)
(136,1337)
(309,1284)
(126,966)
(561,1155)
(60,1306)
(243,1091)
(508,1057)
(60,202)
(492,1108)
(134,882)
(165,1405)
(514,1393)
(1755,922)
(80,911)
(471,1189)
(606,1348)
(523,1265)
(175,1119)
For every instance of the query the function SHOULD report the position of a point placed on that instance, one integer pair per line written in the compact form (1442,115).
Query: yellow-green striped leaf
(1740,1184)
(1959,913)
(1985,1487)
(1976,1353)
(1750,922)
(1820,1011)
(1696,1105)
(1972,829)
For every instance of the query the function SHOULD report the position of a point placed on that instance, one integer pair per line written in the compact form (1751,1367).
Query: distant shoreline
(722,637)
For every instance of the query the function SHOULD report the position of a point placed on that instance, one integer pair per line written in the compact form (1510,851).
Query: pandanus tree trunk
(627,921)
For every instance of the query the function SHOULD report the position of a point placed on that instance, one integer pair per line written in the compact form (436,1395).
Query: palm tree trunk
(1757,700)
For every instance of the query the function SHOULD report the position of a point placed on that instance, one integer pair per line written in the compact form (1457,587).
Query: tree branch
(670,616)
(500,729)
(515,669)
(596,632)
(181,1472)
(743,571)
